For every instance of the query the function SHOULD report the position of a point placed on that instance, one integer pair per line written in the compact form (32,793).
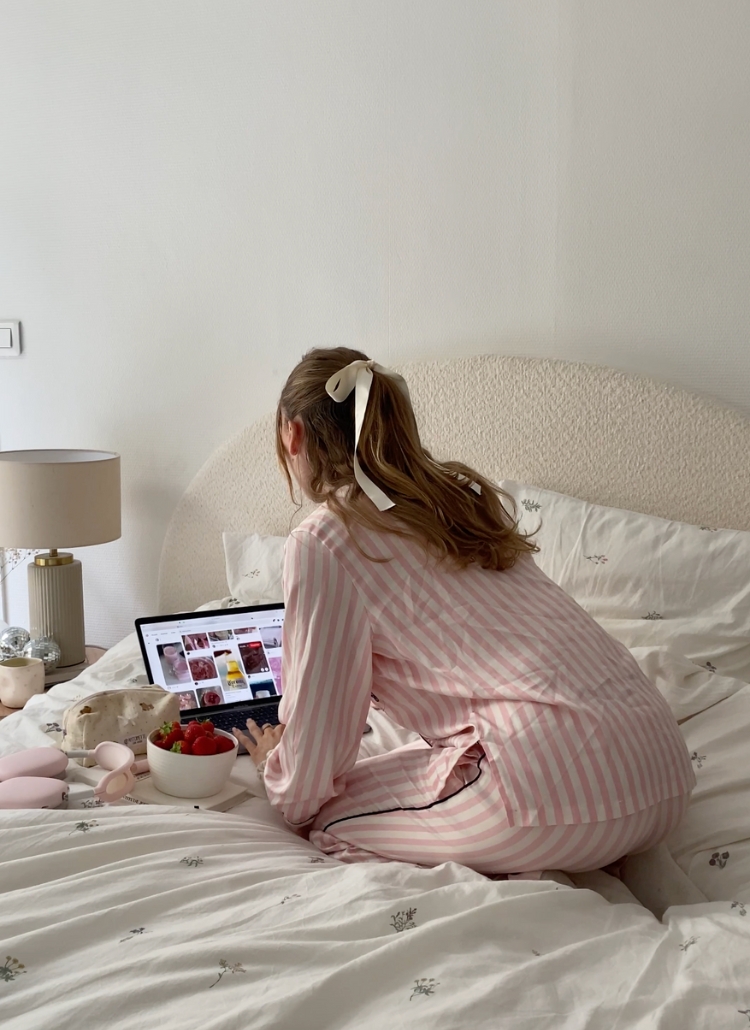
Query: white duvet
(132,917)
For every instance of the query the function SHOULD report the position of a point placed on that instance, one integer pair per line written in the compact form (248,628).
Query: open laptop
(223,665)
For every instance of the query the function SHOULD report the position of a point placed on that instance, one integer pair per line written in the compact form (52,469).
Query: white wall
(193,192)
(653,243)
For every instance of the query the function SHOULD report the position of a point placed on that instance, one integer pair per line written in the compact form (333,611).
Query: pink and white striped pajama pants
(468,825)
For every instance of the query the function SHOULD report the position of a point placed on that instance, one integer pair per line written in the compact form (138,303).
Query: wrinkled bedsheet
(133,917)
(126,916)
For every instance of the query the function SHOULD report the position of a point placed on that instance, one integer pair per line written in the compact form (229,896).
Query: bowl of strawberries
(192,761)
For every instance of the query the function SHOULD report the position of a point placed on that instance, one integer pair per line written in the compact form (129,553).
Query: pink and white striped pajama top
(532,716)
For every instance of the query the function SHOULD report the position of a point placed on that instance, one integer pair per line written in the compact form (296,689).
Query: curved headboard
(584,430)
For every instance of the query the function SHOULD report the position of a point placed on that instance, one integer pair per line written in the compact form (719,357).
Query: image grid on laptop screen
(219,659)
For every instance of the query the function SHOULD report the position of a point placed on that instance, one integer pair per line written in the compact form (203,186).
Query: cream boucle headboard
(584,430)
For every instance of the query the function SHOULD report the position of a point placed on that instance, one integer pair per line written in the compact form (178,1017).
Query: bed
(125,916)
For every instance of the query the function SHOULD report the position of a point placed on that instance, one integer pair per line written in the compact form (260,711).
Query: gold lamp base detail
(56,604)
(53,557)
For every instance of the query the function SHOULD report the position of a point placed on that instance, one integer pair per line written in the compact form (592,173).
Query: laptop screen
(215,658)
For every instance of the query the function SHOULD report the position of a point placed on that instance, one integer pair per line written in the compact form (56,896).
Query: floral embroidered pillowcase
(647,581)
(254,565)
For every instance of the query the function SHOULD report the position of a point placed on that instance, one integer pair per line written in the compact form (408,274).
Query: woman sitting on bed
(543,744)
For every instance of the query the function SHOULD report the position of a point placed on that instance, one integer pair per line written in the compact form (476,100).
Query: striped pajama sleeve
(326,674)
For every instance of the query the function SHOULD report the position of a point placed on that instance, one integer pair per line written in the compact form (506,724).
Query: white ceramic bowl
(189,776)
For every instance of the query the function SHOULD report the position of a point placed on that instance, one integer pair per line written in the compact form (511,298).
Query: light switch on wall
(10,339)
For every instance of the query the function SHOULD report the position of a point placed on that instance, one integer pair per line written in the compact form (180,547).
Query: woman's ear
(296,436)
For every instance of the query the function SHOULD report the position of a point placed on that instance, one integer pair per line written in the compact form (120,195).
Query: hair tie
(357,376)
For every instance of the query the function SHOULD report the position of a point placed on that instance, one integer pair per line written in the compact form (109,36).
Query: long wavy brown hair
(434,503)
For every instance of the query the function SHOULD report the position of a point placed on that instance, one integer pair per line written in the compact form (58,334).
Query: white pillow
(646,580)
(254,567)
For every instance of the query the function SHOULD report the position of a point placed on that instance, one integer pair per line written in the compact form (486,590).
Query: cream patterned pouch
(126,716)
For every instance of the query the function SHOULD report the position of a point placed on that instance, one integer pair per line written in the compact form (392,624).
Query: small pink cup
(20,679)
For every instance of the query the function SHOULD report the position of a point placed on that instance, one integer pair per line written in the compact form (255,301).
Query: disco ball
(12,641)
(45,648)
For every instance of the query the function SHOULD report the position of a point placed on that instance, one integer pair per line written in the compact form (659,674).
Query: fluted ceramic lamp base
(56,607)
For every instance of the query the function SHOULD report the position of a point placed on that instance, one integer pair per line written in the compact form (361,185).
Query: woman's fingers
(259,731)
(254,728)
(243,738)
(259,740)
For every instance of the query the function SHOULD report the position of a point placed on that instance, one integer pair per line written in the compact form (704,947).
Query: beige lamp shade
(59,498)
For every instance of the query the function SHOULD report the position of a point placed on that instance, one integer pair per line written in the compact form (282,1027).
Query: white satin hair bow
(357,376)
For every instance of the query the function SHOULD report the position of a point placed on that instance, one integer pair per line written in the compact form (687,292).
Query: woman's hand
(262,740)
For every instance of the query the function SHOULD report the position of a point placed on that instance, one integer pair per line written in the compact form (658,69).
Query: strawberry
(208,726)
(180,747)
(223,744)
(165,729)
(193,730)
(173,736)
(204,746)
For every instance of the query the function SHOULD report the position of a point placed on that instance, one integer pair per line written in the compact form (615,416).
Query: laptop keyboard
(270,714)
(227,720)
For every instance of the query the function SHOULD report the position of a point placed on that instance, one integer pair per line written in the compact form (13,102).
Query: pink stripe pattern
(470,828)
(502,669)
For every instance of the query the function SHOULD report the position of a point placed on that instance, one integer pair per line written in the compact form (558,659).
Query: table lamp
(65,498)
